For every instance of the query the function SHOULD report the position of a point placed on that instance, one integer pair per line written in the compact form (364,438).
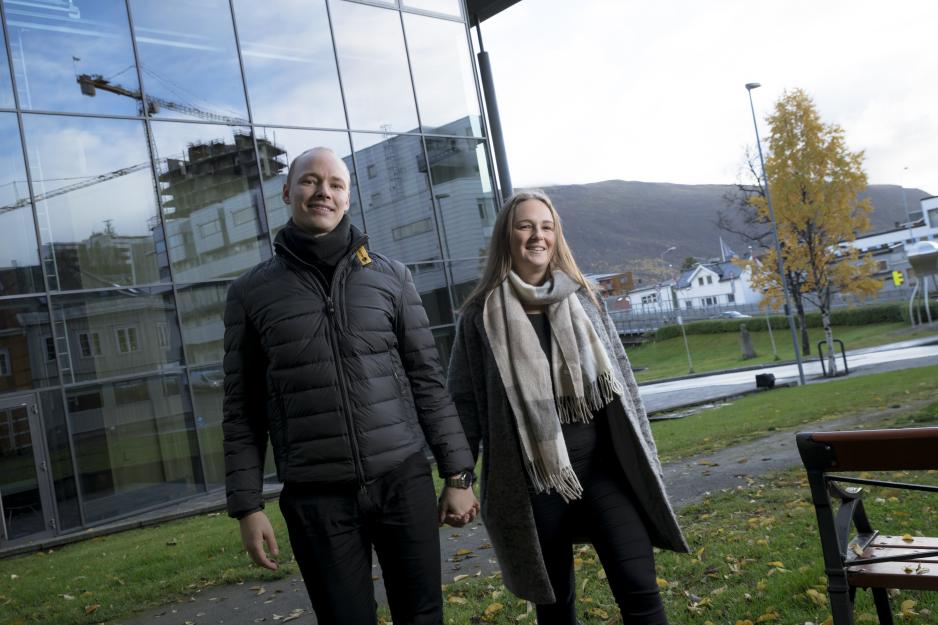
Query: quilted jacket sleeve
(245,409)
(435,409)
(464,382)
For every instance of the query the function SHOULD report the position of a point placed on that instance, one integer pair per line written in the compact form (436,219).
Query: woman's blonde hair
(498,263)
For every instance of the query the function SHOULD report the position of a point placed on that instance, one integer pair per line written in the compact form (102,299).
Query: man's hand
(256,531)
(458,506)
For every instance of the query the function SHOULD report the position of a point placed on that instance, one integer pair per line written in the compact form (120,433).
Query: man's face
(318,192)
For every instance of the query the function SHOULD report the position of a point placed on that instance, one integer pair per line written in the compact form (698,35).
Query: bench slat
(896,542)
(893,575)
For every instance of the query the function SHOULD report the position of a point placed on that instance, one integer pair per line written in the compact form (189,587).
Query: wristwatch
(464,479)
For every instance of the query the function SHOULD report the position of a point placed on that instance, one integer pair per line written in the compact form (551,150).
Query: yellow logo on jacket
(363,256)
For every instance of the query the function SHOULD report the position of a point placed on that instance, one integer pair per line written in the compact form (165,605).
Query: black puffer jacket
(347,384)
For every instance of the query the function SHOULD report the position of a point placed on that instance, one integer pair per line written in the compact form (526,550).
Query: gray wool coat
(486,416)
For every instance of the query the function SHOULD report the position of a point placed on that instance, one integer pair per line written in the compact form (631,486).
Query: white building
(720,284)
(888,247)
(658,298)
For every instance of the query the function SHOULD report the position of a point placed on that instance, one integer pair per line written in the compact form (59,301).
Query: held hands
(458,506)
(256,532)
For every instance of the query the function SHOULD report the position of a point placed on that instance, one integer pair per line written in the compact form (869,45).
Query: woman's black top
(586,443)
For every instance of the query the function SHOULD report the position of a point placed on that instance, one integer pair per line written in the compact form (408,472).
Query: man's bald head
(311,153)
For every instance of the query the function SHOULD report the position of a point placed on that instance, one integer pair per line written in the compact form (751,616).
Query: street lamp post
(778,247)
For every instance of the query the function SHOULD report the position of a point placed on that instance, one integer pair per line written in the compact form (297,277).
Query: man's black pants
(332,530)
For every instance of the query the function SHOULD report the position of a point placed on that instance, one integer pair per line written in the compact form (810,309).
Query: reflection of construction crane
(91,83)
(74,187)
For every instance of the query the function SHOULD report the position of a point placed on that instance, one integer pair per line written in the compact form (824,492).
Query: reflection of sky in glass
(295,142)
(17,232)
(66,151)
(209,189)
(447,7)
(289,63)
(6,87)
(188,59)
(52,46)
(375,77)
(439,56)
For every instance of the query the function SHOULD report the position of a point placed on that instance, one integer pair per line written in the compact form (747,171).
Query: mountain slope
(615,225)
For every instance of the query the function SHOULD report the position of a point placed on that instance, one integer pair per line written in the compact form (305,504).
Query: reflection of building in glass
(141,168)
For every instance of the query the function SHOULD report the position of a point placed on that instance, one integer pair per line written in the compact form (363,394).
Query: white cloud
(594,89)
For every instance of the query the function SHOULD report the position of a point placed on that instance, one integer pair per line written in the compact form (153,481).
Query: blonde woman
(540,379)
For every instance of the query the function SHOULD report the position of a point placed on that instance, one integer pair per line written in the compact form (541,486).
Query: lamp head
(753,85)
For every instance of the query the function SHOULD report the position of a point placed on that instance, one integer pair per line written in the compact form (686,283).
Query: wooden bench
(855,554)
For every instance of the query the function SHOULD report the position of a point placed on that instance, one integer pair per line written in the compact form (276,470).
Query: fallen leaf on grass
(816,597)
(777,564)
(457,578)
(662,582)
(598,612)
(907,608)
(456,599)
(172,542)
(767,617)
(67,597)
(489,613)
(91,609)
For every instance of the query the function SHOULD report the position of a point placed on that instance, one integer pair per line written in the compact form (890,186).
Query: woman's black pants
(607,515)
(332,530)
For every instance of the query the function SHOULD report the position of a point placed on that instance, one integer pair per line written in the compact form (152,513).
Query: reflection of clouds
(290,64)
(62,147)
(443,76)
(448,7)
(374,67)
(192,44)
(56,46)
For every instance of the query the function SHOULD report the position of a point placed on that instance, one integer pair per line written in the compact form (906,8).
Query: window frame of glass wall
(190,365)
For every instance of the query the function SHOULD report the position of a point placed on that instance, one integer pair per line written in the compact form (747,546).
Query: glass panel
(291,143)
(399,212)
(22,505)
(442,66)
(465,201)
(80,167)
(6,86)
(289,63)
(19,254)
(135,444)
(446,7)
(73,56)
(210,193)
(208,391)
(465,274)
(188,60)
(27,348)
(201,309)
(112,333)
(60,459)
(375,76)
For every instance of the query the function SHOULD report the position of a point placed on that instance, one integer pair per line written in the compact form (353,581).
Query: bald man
(328,352)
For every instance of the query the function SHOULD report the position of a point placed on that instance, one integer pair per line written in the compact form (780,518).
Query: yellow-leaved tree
(814,182)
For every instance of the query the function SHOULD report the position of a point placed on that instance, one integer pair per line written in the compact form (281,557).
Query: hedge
(855,316)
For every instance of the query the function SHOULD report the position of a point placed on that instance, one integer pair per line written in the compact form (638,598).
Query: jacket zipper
(334,331)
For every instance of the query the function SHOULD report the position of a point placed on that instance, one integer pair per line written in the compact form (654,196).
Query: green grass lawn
(760,414)
(714,352)
(106,578)
(755,558)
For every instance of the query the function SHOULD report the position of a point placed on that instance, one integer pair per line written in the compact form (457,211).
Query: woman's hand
(458,506)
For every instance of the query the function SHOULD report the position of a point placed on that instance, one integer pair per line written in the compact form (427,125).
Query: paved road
(673,394)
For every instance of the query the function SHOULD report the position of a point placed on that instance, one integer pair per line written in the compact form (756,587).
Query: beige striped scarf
(578,381)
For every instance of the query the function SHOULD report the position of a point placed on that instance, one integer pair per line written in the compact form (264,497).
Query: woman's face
(532,240)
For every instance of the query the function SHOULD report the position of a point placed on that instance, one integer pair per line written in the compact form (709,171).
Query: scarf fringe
(564,482)
(598,395)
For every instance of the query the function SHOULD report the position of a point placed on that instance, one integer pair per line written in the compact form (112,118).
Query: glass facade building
(143,148)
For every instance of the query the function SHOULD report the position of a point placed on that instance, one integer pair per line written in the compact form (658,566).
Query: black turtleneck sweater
(322,252)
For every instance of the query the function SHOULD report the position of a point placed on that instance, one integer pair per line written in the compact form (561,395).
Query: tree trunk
(829,338)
